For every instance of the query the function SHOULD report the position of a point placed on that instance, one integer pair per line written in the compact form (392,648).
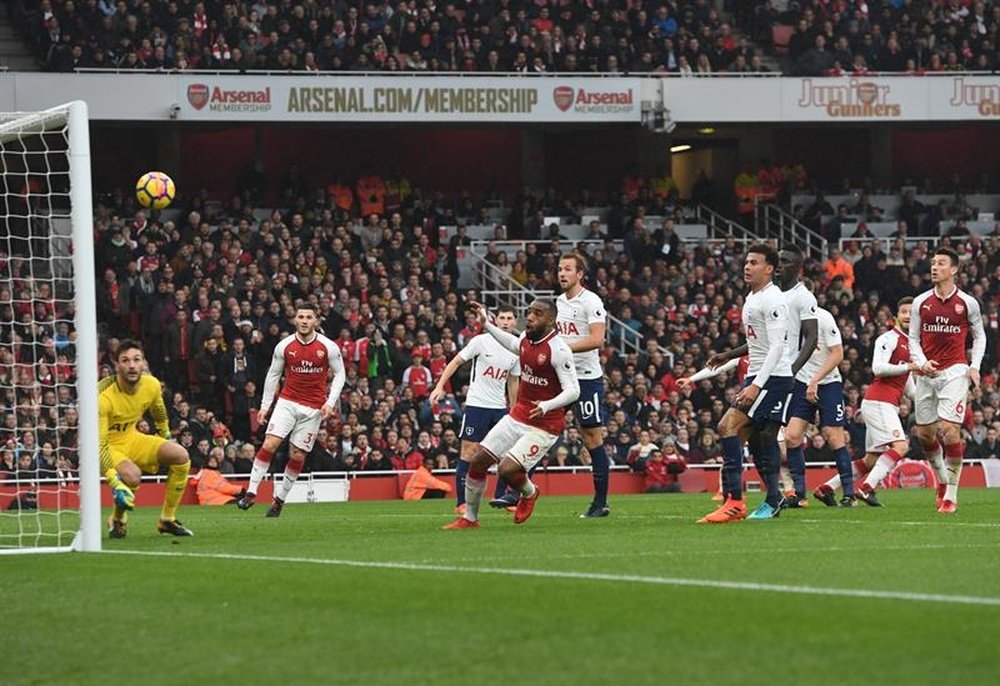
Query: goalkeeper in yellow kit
(126,453)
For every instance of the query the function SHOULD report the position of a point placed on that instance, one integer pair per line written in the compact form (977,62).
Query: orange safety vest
(213,488)
(343,196)
(422,481)
(371,195)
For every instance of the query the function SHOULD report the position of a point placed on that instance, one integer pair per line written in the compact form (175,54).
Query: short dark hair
(127,344)
(769,253)
(581,261)
(794,249)
(949,253)
(506,308)
(308,306)
(546,303)
(907,300)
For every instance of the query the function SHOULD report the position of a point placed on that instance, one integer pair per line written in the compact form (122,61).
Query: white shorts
(524,444)
(943,397)
(882,425)
(298,422)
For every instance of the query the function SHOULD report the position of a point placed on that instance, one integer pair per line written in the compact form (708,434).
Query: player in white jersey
(305,361)
(800,341)
(940,323)
(819,390)
(582,323)
(763,401)
(493,383)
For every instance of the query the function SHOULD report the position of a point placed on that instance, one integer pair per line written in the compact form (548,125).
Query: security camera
(174,111)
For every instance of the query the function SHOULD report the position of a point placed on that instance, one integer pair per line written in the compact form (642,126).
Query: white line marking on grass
(885,522)
(591,576)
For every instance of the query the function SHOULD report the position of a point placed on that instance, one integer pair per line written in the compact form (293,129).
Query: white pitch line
(592,576)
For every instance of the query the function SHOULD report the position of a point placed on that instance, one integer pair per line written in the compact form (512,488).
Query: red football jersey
(943,326)
(540,381)
(892,347)
(307,369)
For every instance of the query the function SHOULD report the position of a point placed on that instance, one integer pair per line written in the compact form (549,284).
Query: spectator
(423,485)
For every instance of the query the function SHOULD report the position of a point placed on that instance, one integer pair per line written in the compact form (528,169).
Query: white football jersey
(765,321)
(573,319)
(491,365)
(829,336)
(801,306)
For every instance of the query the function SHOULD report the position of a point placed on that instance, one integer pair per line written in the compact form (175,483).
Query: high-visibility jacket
(213,488)
(343,196)
(421,482)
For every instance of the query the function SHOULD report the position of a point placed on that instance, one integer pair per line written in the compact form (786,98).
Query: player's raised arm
(718,359)
(507,340)
(708,373)
(562,363)
(881,355)
(273,378)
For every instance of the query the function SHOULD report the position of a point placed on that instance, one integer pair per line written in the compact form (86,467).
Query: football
(155,190)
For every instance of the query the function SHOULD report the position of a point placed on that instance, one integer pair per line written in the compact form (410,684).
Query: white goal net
(49,480)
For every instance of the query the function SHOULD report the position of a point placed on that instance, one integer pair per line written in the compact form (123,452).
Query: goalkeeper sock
(177,476)
(120,514)
(261,463)
(461,470)
(475,484)
(292,470)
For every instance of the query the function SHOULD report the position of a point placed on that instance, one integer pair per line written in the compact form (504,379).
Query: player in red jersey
(942,320)
(886,441)
(307,399)
(518,441)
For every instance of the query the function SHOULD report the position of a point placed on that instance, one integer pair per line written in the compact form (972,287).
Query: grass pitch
(376,593)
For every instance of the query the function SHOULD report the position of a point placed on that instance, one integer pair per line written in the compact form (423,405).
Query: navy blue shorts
(830,405)
(772,401)
(477,422)
(589,408)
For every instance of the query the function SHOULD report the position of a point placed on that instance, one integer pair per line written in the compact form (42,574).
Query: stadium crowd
(212,293)
(688,37)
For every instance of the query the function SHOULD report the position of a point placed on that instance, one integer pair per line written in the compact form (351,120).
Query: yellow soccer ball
(155,190)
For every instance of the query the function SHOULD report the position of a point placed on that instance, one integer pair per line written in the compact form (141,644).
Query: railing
(497,288)
(887,241)
(773,222)
(722,227)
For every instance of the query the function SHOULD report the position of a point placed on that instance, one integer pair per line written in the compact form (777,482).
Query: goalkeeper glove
(124,497)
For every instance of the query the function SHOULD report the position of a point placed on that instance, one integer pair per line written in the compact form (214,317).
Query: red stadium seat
(780,35)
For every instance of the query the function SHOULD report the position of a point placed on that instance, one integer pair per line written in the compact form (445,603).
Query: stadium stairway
(15,54)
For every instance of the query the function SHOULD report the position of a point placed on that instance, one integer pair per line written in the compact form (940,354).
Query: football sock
(954,454)
(886,461)
(732,467)
(933,452)
(770,466)
(120,513)
(797,468)
(475,484)
(501,488)
(261,463)
(523,484)
(833,483)
(461,469)
(843,460)
(292,471)
(177,476)
(601,471)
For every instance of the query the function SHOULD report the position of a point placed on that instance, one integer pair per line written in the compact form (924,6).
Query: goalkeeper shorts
(138,447)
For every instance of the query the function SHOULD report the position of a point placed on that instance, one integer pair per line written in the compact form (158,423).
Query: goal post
(50,495)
